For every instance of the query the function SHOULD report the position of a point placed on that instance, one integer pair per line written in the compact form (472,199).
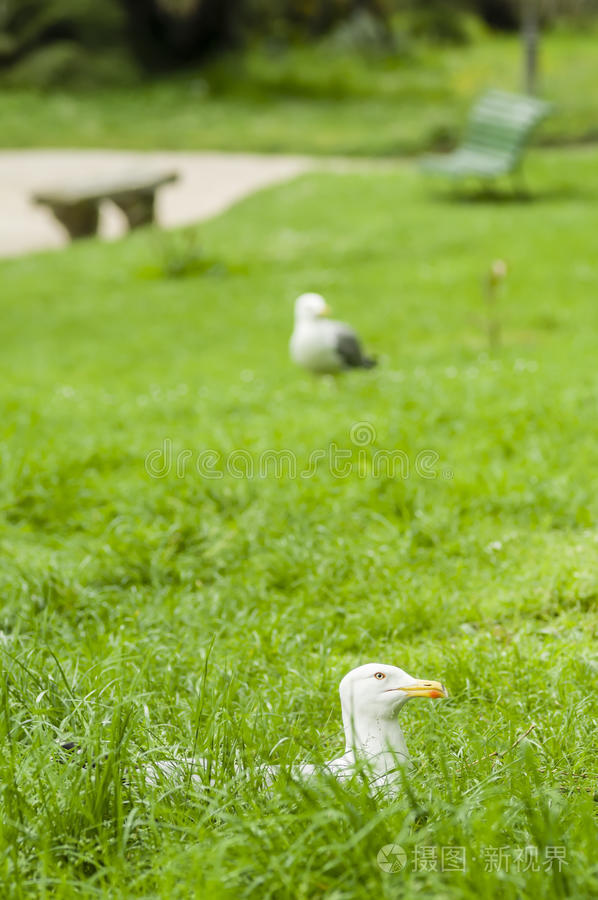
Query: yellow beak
(325,311)
(431,689)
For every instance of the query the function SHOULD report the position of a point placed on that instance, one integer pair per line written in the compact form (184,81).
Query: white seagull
(322,345)
(371,696)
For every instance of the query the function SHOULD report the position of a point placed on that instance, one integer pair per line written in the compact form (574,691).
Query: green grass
(314,100)
(144,616)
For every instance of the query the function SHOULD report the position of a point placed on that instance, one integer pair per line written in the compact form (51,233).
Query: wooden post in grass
(492,284)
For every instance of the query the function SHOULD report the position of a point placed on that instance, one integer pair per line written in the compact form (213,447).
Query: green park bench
(497,132)
(76,206)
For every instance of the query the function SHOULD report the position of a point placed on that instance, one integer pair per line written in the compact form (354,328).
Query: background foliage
(48,43)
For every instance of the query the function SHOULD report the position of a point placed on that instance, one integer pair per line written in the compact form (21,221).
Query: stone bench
(77,206)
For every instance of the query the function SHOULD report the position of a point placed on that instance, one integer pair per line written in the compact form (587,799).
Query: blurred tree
(30,23)
(438,20)
(529,34)
(507,14)
(500,14)
(49,42)
(167,33)
(316,17)
(90,41)
(533,14)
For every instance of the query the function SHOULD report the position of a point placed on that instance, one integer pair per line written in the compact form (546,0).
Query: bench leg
(138,207)
(79,219)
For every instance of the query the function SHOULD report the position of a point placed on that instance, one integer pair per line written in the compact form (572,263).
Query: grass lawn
(146,615)
(314,101)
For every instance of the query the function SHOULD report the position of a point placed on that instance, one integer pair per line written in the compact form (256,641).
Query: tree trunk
(529,34)
(162,38)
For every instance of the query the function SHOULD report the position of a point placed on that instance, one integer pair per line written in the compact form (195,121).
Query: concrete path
(209,183)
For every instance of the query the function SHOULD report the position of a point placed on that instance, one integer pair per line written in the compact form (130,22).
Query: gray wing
(349,349)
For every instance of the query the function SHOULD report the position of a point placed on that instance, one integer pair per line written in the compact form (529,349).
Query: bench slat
(496,133)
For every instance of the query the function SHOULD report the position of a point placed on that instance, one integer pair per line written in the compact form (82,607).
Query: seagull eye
(379,676)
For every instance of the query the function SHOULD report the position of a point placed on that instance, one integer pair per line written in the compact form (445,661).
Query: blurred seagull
(371,696)
(322,345)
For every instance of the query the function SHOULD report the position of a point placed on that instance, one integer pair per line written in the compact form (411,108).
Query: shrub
(56,42)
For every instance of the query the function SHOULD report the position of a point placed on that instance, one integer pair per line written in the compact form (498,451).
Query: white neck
(375,736)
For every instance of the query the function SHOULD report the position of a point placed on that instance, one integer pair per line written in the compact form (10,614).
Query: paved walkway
(209,183)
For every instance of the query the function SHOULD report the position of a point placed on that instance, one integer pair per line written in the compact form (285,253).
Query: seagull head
(376,690)
(310,306)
